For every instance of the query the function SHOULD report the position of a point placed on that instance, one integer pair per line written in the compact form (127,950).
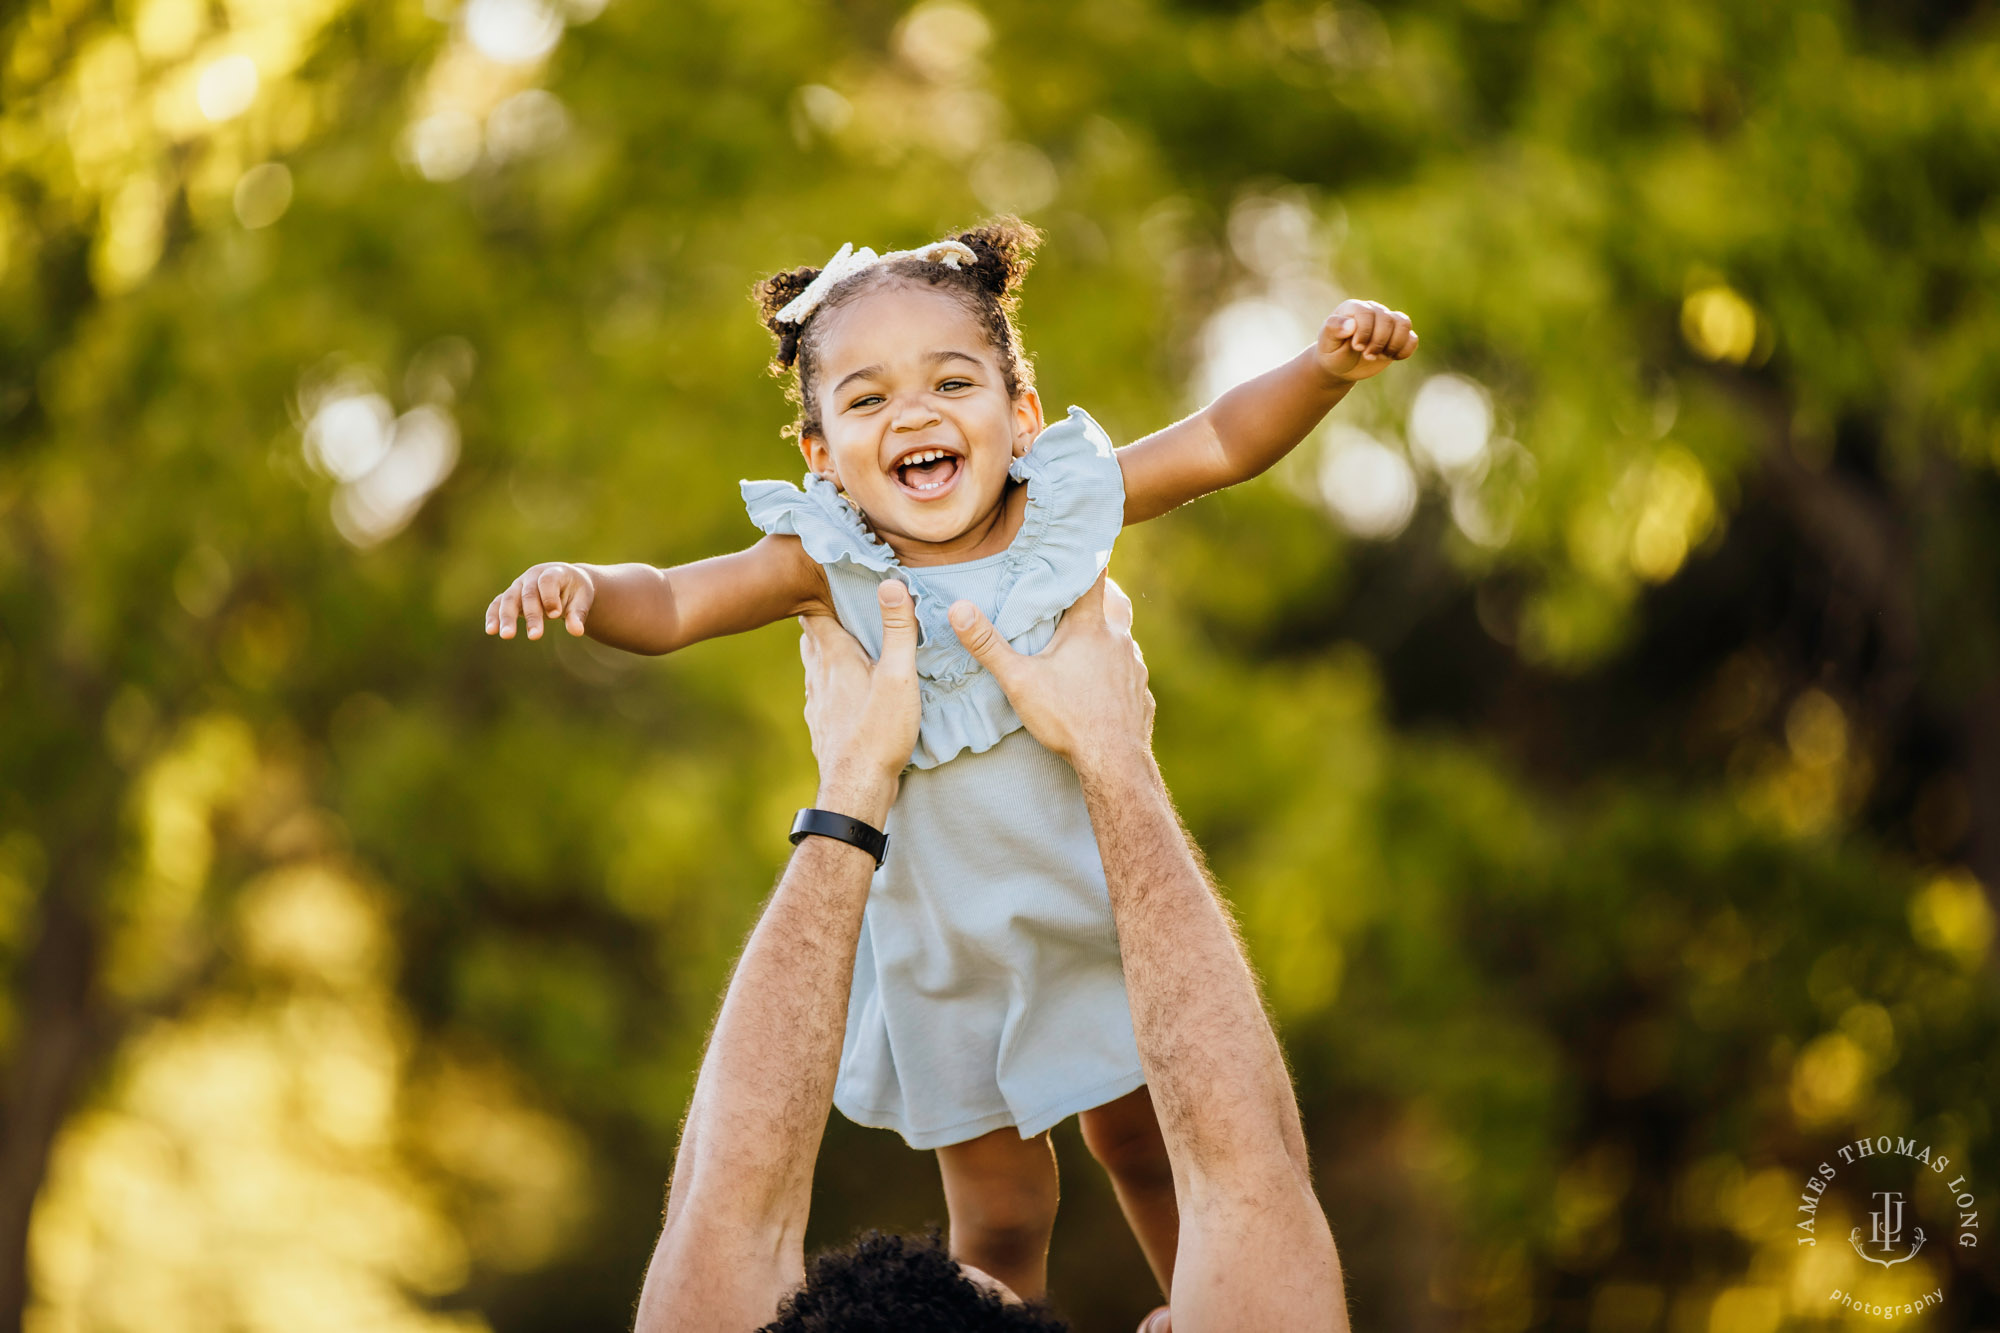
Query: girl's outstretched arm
(1258,422)
(646,610)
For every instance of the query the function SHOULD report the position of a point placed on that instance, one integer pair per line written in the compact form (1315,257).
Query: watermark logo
(1886,1231)
(1894,1236)
(1877,1310)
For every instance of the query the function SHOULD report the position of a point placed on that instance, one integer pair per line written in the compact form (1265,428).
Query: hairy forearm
(1217,1075)
(634,608)
(766,1081)
(1261,420)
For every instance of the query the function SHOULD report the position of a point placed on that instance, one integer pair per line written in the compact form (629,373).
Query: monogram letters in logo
(1889,1240)
(1885,1232)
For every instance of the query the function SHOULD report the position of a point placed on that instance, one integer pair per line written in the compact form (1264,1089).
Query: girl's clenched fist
(1361,338)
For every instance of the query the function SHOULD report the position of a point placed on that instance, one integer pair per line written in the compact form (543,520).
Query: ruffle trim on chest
(1075,510)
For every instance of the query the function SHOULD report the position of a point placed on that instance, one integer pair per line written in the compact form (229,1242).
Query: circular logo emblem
(1885,1199)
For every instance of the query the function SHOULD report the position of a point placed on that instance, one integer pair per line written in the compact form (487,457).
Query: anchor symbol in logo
(1886,1231)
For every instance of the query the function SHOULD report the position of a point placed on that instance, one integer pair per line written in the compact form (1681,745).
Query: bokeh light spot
(262,195)
(512,32)
(443,146)
(1243,340)
(1370,487)
(1816,729)
(349,435)
(1015,178)
(1746,1309)
(943,39)
(1676,511)
(227,88)
(529,122)
(1719,324)
(1828,1078)
(1952,915)
(422,451)
(1451,420)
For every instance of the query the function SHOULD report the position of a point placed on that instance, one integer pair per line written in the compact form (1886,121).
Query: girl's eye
(956,384)
(866,400)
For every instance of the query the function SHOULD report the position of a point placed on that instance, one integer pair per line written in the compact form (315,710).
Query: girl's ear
(1028,421)
(819,458)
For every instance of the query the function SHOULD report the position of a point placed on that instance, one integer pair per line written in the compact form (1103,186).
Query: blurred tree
(1599,725)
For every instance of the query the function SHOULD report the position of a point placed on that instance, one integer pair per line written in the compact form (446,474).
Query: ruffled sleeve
(825,523)
(1074,511)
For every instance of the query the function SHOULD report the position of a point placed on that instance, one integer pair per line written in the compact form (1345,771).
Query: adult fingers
(1409,348)
(976,632)
(493,616)
(899,627)
(819,637)
(1117,606)
(1090,606)
(579,606)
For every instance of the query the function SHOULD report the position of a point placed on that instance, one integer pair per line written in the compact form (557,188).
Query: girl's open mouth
(927,474)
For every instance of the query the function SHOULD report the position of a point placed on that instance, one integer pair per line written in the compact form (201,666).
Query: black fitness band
(841,828)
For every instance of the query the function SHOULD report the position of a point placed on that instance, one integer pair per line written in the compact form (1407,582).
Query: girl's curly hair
(988,288)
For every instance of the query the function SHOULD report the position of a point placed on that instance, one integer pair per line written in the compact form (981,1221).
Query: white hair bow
(848,261)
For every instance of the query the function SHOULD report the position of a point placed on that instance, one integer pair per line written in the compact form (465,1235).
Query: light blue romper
(987,987)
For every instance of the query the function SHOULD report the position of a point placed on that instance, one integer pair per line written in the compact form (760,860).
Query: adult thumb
(976,632)
(899,625)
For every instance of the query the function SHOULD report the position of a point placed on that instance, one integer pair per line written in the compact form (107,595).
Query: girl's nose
(913,414)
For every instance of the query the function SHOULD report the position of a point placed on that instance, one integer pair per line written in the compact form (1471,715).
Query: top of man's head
(882,1283)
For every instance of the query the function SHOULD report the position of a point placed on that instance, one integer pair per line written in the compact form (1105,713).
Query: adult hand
(1084,696)
(862,715)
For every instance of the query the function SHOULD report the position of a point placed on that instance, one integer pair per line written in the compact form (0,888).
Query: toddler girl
(988,1003)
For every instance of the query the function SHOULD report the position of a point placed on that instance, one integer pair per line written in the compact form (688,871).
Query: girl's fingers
(549,584)
(1409,347)
(1364,329)
(493,616)
(510,610)
(531,611)
(1399,339)
(1385,328)
(579,607)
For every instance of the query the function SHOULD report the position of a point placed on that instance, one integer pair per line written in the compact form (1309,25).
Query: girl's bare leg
(1001,1191)
(1125,1138)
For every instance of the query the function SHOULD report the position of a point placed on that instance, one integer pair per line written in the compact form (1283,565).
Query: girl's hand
(554,591)
(1361,338)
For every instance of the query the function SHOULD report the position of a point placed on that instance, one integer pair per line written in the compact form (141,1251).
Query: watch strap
(841,828)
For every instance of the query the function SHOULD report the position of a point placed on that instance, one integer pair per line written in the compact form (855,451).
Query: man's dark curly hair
(900,1284)
(988,288)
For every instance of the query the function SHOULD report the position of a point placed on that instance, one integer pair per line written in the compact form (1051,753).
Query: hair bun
(1006,250)
(773,294)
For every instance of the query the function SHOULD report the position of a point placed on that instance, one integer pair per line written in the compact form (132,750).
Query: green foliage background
(1606,872)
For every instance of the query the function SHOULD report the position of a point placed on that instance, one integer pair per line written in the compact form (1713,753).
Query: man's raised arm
(1255,1249)
(733,1244)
